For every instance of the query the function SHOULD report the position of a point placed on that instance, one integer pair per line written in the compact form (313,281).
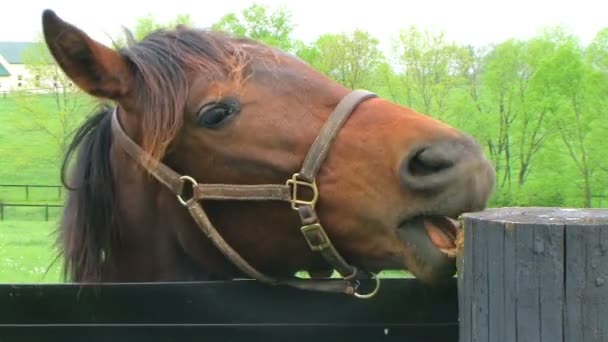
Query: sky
(475,22)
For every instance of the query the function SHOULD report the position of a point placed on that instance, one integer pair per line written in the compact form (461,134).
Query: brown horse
(240,117)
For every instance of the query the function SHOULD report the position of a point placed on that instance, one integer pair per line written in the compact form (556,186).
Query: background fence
(26,189)
(42,210)
(16,201)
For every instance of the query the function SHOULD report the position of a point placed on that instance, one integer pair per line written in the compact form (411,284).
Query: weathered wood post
(534,275)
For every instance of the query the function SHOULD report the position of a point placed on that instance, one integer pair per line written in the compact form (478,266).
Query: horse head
(237,114)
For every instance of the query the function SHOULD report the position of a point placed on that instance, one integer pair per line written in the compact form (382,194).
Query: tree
(349,59)
(432,69)
(510,95)
(258,23)
(148,24)
(581,117)
(597,52)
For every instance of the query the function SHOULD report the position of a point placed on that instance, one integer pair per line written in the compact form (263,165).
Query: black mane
(87,226)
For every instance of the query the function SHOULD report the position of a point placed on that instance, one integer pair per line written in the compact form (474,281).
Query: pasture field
(29,157)
(27,252)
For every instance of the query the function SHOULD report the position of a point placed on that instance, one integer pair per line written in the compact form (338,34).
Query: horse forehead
(279,76)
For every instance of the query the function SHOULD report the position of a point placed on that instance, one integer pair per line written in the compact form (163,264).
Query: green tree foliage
(580,116)
(539,107)
(148,24)
(350,59)
(432,69)
(257,22)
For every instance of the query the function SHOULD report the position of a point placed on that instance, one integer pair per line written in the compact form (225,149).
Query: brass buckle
(317,229)
(194,184)
(294,182)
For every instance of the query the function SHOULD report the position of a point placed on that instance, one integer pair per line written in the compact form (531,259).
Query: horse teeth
(451,252)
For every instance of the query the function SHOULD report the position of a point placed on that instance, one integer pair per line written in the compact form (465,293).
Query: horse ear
(95,68)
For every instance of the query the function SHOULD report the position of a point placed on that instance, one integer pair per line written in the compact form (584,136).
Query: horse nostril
(428,161)
(434,166)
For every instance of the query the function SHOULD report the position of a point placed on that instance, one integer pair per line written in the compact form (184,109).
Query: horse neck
(147,218)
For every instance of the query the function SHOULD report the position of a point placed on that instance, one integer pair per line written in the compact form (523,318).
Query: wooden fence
(534,274)
(27,187)
(404,310)
(45,206)
(524,274)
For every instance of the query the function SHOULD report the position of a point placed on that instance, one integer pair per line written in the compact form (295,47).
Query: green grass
(28,157)
(27,252)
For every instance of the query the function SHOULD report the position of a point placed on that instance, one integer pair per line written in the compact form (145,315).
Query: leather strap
(160,171)
(312,230)
(201,218)
(319,148)
(242,192)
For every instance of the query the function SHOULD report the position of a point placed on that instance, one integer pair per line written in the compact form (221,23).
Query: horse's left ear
(95,68)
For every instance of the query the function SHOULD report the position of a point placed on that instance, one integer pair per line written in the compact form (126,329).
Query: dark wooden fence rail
(525,274)
(45,206)
(534,274)
(404,310)
(27,187)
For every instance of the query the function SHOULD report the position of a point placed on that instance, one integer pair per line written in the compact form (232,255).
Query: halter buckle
(315,236)
(294,182)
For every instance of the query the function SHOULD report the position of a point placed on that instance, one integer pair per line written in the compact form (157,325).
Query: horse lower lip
(441,230)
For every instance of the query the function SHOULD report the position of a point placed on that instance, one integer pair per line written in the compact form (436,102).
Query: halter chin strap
(291,192)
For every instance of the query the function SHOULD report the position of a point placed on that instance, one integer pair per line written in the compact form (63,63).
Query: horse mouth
(443,231)
(440,231)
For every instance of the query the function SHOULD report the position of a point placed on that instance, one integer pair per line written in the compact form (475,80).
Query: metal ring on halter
(371,294)
(194,184)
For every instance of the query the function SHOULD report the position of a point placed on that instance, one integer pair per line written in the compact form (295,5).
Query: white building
(13,73)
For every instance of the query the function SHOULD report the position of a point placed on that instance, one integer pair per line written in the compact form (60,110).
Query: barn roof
(3,71)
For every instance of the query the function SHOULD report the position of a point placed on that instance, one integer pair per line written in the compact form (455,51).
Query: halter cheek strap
(312,230)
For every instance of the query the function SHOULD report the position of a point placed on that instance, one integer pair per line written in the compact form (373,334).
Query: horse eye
(216,114)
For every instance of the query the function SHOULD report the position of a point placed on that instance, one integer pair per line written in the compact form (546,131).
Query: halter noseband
(313,231)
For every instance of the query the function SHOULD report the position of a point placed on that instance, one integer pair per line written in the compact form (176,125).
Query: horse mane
(87,225)
(161,63)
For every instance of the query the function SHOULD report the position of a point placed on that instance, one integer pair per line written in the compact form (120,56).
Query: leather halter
(291,192)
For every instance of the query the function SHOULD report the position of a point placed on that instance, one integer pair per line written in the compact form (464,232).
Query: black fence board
(226,310)
(197,333)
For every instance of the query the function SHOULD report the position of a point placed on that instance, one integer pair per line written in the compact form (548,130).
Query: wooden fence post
(534,274)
